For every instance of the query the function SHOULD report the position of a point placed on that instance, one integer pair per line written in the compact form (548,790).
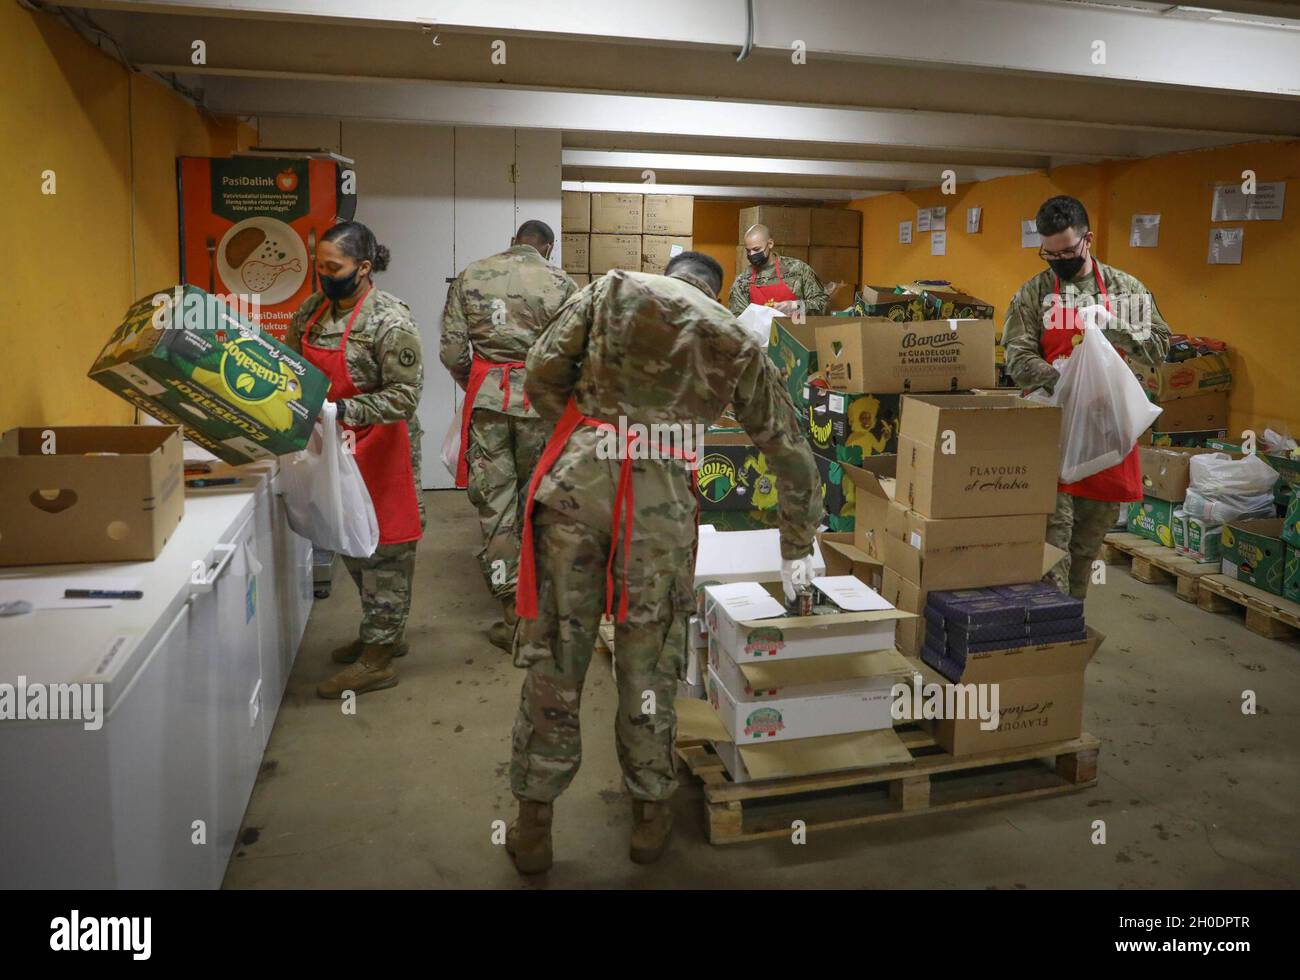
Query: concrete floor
(404,794)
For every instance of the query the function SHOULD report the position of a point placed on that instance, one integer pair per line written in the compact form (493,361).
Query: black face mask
(1066,268)
(336,288)
(757,259)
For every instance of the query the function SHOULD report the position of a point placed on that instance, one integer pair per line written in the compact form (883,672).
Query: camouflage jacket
(659,349)
(1138,328)
(497,308)
(799,276)
(383,357)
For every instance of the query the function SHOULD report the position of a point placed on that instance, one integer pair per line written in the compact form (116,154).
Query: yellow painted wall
(69,266)
(715,232)
(1251,306)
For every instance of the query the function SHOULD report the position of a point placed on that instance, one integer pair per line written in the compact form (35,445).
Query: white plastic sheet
(757,321)
(450,454)
(325,496)
(1103,408)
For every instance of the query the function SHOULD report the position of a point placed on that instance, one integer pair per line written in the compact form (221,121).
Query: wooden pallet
(1266,614)
(933,782)
(1155,564)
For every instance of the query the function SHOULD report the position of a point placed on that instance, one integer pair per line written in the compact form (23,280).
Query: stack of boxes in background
(828,239)
(1192,387)
(637,232)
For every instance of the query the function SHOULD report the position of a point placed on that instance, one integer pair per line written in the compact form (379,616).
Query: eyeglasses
(1068,253)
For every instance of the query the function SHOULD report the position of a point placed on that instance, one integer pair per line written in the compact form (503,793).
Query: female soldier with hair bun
(367,344)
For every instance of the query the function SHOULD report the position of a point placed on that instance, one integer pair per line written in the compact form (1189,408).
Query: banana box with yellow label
(1153,518)
(1253,551)
(189,358)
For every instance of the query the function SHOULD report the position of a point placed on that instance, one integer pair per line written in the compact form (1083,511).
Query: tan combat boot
(348,653)
(502,634)
(373,671)
(528,841)
(652,824)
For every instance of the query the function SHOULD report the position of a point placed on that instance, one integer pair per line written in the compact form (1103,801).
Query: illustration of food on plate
(262,256)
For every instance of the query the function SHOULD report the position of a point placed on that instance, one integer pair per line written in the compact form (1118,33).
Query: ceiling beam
(1053,38)
(443,103)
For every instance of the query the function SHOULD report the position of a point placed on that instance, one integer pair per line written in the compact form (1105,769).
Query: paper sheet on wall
(1029,237)
(1232,204)
(1225,246)
(939,219)
(938,243)
(923,219)
(905,233)
(973,216)
(1144,231)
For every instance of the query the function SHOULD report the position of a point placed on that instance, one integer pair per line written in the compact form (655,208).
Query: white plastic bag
(757,321)
(325,496)
(1103,408)
(1218,474)
(451,441)
(1228,506)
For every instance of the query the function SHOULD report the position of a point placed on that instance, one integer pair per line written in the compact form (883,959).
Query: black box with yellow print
(733,474)
(846,426)
(189,358)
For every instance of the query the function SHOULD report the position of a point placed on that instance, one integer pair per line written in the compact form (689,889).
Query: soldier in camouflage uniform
(651,349)
(495,310)
(381,368)
(775,279)
(1043,324)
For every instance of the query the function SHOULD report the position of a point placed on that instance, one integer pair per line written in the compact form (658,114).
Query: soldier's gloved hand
(796,574)
(1095,317)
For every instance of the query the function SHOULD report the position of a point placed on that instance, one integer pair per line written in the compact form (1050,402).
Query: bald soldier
(495,310)
(775,280)
(614,529)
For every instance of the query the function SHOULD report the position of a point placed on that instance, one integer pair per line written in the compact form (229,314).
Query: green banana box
(1291,575)
(793,349)
(846,426)
(1253,551)
(1291,532)
(1152,518)
(190,358)
(839,496)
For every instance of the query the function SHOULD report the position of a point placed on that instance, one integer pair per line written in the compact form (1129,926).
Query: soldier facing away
(651,350)
(776,280)
(1043,326)
(495,310)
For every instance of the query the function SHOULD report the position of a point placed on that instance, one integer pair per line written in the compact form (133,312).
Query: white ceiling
(891,94)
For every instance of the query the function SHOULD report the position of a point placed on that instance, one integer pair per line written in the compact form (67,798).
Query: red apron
(622,523)
(383,452)
(478,372)
(1123,481)
(763,295)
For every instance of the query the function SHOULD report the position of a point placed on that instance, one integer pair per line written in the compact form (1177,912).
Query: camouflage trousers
(556,648)
(503,449)
(384,579)
(1078,527)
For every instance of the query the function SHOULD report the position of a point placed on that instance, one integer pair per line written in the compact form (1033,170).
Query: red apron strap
(479,369)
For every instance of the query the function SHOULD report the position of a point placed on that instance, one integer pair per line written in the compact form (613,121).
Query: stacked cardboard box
(1158,515)
(796,695)
(639,232)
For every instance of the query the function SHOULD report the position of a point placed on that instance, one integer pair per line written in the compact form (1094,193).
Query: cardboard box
(841,298)
(1040,696)
(883,356)
(576,250)
(733,474)
(888,302)
(789,226)
(793,349)
(656,250)
(1185,440)
(668,214)
(581,278)
(743,268)
(192,361)
(743,556)
(616,214)
(978,456)
(1203,540)
(835,226)
(1291,532)
(575,211)
(751,624)
(845,426)
(832,264)
(1153,519)
(1196,376)
(1254,552)
(60,504)
(942,304)
(838,494)
(1166,471)
(1195,413)
(615,252)
(1179,530)
(842,557)
(806,756)
(964,552)
(1291,575)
